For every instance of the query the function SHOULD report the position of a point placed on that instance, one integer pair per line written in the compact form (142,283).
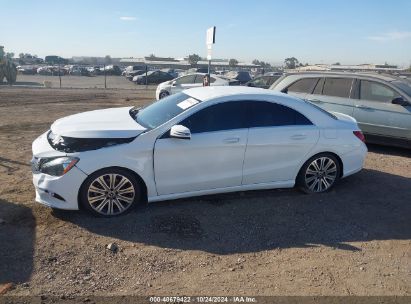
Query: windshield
(402,85)
(163,110)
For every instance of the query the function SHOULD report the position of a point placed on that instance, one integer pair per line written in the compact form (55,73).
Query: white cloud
(389,36)
(128,18)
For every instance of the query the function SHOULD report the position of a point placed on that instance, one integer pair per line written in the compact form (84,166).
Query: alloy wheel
(163,94)
(111,194)
(321,174)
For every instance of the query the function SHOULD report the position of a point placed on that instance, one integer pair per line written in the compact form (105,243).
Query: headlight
(57,166)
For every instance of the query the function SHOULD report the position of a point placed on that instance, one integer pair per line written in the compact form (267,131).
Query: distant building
(182,63)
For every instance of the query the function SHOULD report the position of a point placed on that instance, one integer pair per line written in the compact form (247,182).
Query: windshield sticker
(189,102)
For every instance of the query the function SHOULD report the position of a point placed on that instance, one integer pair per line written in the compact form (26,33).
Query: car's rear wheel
(110,192)
(163,94)
(319,174)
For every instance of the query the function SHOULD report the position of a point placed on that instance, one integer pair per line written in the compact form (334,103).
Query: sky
(313,31)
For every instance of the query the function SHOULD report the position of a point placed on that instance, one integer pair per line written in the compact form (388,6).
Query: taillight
(359,135)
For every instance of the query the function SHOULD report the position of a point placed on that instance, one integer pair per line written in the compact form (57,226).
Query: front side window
(371,90)
(223,116)
(304,85)
(185,79)
(339,87)
(268,114)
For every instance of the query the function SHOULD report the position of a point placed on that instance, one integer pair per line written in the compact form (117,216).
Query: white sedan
(200,141)
(190,81)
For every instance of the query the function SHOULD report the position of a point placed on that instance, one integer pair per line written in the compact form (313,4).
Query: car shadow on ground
(370,205)
(395,151)
(17,235)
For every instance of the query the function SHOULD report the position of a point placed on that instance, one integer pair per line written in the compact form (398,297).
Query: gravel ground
(354,240)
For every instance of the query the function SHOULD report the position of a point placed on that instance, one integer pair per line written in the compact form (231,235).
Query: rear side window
(339,87)
(370,90)
(185,79)
(268,114)
(219,117)
(304,85)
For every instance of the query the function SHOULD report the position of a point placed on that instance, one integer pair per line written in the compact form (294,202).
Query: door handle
(363,107)
(231,140)
(298,136)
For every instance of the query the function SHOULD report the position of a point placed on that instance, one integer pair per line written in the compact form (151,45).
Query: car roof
(207,93)
(384,77)
(202,74)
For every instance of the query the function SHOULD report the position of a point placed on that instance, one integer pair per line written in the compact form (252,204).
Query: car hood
(107,123)
(165,83)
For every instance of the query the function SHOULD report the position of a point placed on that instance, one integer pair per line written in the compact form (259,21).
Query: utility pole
(105,76)
(210,40)
(59,74)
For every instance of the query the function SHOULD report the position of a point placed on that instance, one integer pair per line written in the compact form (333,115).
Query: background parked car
(240,77)
(172,72)
(130,75)
(380,103)
(51,71)
(187,82)
(27,70)
(153,77)
(112,70)
(263,82)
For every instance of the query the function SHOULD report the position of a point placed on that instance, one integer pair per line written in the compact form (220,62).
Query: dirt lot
(79,82)
(354,240)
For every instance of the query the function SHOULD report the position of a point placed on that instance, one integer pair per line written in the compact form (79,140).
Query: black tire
(163,94)
(310,180)
(93,193)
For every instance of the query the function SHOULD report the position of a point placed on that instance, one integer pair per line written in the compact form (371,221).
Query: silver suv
(381,104)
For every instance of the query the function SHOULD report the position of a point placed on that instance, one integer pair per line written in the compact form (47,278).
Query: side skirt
(263,186)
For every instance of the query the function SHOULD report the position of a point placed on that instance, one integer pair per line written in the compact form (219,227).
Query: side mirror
(250,84)
(181,132)
(173,84)
(400,101)
(285,91)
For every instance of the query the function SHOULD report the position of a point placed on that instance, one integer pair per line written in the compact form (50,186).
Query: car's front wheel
(319,174)
(110,192)
(163,94)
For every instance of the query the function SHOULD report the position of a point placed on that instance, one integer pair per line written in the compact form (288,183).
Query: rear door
(278,139)
(333,94)
(377,115)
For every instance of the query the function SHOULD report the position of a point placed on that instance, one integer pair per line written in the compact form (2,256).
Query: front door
(377,115)
(212,158)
